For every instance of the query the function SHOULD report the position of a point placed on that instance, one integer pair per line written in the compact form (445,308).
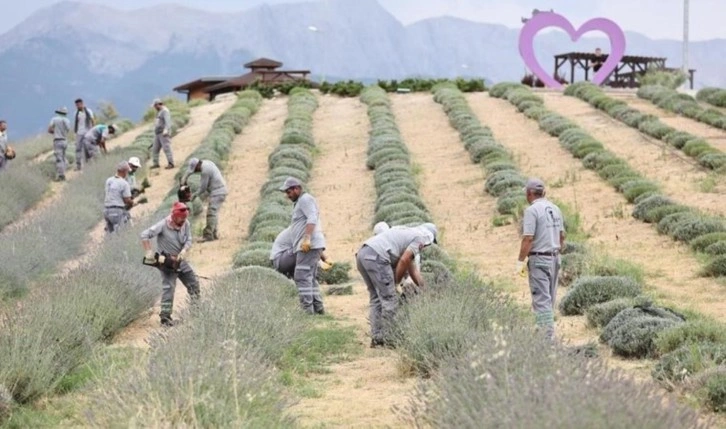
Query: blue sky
(654,18)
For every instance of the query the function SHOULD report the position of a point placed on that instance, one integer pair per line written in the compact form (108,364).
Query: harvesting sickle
(544,20)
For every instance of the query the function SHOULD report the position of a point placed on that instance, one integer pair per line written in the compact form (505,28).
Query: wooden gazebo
(626,73)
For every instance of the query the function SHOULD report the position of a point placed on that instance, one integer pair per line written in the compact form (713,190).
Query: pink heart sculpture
(544,20)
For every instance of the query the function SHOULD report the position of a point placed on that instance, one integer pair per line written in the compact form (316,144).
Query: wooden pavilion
(626,73)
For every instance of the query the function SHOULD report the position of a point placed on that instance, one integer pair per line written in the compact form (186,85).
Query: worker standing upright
(83,123)
(162,135)
(60,126)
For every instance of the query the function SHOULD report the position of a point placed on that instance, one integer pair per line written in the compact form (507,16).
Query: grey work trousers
(90,150)
(308,289)
(79,151)
(162,142)
(59,151)
(378,276)
(116,218)
(186,274)
(284,263)
(543,273)
(215,203)
(3,162)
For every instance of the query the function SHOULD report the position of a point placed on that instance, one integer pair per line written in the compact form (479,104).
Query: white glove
(520,269)
(182,255)
(149,257)
(165,133)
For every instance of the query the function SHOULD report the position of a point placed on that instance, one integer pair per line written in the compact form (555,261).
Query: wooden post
(572,71)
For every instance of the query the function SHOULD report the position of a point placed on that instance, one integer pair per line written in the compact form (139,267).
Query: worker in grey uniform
(118,199)
(212,183)
(3,144)
(543,235)
(173,239)
(162,138)
(60,126)
(84,121)
(308,242)
(383,261)
(282,255)
(95,140)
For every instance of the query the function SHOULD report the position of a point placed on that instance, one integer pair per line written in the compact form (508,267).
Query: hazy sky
(654,18)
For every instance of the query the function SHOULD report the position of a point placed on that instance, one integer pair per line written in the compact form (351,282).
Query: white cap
(380,227)
(135,161)
(431,228)
(290,182)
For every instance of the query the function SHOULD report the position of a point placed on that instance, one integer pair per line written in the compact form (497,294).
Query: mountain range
(73,49)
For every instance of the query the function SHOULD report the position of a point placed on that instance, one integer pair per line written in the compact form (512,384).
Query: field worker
(173,239)
(383,261)
(3,145)
(212,183)
(118,199)
(282,255)
(308,242)
(383,226)
(135,164)
(162,139)
(83,123)
(96,138)
(60,126)
(543,235)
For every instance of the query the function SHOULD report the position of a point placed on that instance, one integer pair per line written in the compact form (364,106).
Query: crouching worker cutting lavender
(173,239)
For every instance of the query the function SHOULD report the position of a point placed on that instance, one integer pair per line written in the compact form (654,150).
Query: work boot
(206,238)
(153,166)
(169,166)
(61,178)
(378,343)
(167,321)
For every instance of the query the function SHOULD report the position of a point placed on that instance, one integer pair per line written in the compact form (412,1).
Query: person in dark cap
(543,236)
(308,245)
(162,135)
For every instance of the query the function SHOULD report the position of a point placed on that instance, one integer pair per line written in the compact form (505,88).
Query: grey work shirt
(283,243)
(543,221)
(212,181)
(305,213)
(169,240)
(163,121)
(116,190)
(84,123)
(97,134)
(61,126)
(392,243)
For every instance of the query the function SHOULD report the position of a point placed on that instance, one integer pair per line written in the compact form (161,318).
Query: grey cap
(62,111)
(534,184)
(157,101)
(380,227)
(290,182)
(430,227)
(123,166)
(193,164)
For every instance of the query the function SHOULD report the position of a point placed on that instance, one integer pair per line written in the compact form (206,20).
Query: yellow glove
(326,266)
(521,269)
(305,245)
(149,257)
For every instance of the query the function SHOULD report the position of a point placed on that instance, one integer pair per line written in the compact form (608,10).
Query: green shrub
(287,153)
(678,139)
(697,147)
(718,248)
(695,227)
(715,268)
(601,159)
(688,360)
(633,189)
(625,317)
(702,242)
(636,337)
(656,214)
(512,204)
(495,167)
(690,333)
(591,290)
(716,392)
(713,161)
(504,186)
(573,265)
(655,128)
(339,273)
(599,315)
(258,257)
(669,223)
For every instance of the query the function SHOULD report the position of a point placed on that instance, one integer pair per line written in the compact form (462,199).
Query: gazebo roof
(211,80)
(263,63)
(591,56)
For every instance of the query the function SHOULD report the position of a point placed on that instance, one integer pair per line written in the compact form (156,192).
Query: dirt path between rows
(245,173)
(671,268)
(358,393)
(680,177)
(714,136)
(56,189)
